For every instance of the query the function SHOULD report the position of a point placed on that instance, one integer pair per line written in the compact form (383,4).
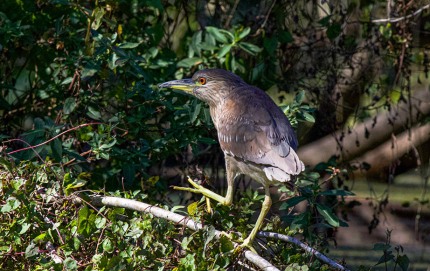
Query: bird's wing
(259,133)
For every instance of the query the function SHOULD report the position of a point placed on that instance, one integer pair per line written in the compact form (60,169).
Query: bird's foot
(198,189)
(246,244)
(192,190)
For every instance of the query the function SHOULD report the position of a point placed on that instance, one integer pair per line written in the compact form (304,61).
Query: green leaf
(308,117)
(108,145)
(100,222)
(216,33)
(334,30)
(98,14)
(328,215)
(108,245)
(292,202)
(69,105)
(90,70)
(189,62)
(24,228)
(57,149)
(403,262)
(196,112)
(337,192)
(192,208)
(270,44)
(129,45)
(93,113)
(188,263)
(31,250)
(228,34)
(86,221)
(210,234)
(300,97)
(325,21)
(381,246)
(245,32)
(186,241)
(250,48)
(285,37)
(70,264)
(177,207)
(6,164)
(386,257)
(224,50)
(11,204)
(226,244)
(66,81)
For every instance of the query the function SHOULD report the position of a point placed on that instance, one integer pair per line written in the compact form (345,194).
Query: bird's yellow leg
(208,193)
(208,205)
(264,210)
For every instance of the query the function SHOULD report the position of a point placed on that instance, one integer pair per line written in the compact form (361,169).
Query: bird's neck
(220,111)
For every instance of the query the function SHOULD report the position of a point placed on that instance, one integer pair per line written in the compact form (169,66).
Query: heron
(255,135)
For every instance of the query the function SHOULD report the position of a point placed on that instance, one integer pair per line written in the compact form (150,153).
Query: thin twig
(49,140)
(395,20)
(230,16)
(289,239)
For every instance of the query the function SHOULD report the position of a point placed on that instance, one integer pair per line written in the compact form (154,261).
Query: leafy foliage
(80,114)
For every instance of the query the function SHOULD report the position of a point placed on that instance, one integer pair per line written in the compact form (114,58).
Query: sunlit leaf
(224,50)
(192,208)
(245,32)
(31,250)
(70,264)
(189,62)
(129,45)
(217,34)
(250,48)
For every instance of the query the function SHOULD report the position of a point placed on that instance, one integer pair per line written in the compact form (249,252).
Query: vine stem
(49,140)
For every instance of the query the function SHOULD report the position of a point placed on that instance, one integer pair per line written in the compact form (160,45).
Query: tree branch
(254,258)
(395,20)
(289,239)
(369,133)
(395,147)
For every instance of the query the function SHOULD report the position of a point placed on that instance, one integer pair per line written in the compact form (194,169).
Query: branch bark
(367,134)
(395,20)
(254,258)
(395,148)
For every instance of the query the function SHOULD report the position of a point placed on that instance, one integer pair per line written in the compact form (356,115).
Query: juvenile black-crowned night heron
(255,135)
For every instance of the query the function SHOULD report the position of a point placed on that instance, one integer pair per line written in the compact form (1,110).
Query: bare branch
(177,218)
(49,140)
(289,239)
(254,258)
(395,20)
(395,147)
(367,134)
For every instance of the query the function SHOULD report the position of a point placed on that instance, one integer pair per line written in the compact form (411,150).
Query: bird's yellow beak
(186,85)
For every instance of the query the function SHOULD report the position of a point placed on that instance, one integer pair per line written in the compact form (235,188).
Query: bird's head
(209,85)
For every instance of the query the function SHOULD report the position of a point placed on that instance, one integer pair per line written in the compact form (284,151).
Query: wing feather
(259,133)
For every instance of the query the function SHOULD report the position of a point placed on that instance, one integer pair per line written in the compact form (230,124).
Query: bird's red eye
(202,80)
